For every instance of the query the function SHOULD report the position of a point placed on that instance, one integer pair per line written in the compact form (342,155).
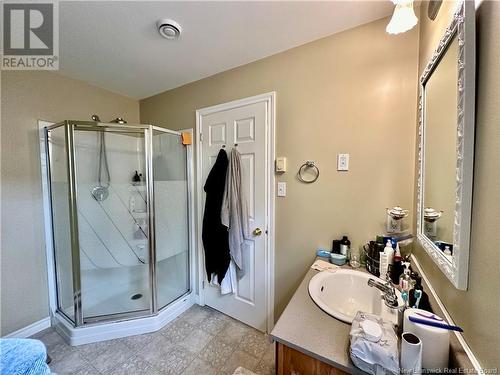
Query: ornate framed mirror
(446,148)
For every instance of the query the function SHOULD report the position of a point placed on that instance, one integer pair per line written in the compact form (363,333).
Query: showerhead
(100,193)
(118,120)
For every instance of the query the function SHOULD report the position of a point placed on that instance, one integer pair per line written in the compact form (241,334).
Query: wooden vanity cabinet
(292,362)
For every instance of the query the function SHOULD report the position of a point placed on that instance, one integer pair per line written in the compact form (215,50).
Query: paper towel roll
(435,341)
(411,354)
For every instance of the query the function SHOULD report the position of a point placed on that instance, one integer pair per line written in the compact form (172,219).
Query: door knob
(257,232)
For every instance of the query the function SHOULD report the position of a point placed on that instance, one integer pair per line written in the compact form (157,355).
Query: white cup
(411,354)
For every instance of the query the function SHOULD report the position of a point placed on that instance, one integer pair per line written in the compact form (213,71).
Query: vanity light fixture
(403,18)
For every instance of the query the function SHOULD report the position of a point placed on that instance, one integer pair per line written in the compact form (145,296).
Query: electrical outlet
(342,162)
(281,189)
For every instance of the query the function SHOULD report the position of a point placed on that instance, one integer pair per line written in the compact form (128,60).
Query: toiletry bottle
(136,178)
(405,279)
(336,246)
(375,248)
(414,276)
(386,256)
(131,204)
(447,250)
(397,251)
(393,243)
(397,269)
(389,251)
(362,256)
(372,264)
(384,264)
(345,245)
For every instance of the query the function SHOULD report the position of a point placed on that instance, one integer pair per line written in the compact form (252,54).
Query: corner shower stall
(118,198)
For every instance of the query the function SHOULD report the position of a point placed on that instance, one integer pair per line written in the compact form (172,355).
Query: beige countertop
(305,327)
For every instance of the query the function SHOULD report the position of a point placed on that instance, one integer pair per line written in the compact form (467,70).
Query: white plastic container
(384,264)
(389,251)
(386,258)
(435,341)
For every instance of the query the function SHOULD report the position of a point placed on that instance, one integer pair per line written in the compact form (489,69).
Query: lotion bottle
(384,260)
(389,251)
(398,251)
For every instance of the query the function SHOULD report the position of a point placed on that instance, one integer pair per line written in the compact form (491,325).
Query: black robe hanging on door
(215,235)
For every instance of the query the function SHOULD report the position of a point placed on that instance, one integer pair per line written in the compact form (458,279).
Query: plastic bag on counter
(374,345)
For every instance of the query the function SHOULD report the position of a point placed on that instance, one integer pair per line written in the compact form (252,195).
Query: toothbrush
(434,323)
(432,316)
(418,296)
(404,297)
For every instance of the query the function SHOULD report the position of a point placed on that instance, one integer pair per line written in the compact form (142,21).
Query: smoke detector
(169,29)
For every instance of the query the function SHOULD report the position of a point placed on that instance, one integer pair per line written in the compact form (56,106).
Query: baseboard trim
(30,330)
(107,331)
(460,337)
(196,299)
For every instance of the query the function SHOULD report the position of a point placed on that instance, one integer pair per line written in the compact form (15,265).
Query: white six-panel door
(243,127)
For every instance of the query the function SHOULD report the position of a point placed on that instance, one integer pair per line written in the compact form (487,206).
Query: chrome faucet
(389,292)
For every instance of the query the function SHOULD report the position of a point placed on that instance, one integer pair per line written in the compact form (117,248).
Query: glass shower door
(120,219)
(170,183)
(57,147)
(113,221)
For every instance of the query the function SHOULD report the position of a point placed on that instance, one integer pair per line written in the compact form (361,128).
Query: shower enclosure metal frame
(146,130)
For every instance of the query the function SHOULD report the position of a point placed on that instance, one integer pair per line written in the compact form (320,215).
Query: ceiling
(115,44)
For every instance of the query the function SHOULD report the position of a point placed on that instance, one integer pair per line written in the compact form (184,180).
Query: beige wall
(477,309)
(353,92)
(27,97)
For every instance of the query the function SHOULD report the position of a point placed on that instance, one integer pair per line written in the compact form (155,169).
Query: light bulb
(404,17)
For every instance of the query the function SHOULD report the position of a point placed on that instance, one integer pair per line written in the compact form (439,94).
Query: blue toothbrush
(434,323)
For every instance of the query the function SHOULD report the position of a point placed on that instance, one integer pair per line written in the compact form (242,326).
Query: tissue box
(377,358)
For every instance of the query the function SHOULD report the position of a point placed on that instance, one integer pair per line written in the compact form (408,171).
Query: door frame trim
(270,100)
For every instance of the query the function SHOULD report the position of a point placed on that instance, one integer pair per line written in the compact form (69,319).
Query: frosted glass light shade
(403,18)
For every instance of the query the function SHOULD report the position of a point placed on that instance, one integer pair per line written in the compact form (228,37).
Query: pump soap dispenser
(405,281)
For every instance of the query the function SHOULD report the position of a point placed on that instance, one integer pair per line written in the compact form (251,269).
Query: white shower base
(113,330)
(109,291)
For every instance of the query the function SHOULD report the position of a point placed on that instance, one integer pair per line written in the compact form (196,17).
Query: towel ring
(308,164)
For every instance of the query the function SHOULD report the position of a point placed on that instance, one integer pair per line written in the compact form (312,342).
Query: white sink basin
(344,292)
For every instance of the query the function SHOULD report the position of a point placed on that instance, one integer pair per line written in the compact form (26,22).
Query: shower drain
(136,296)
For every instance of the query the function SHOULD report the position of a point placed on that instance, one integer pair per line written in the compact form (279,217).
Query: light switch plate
(281,189)
(281,164)
(342,162)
